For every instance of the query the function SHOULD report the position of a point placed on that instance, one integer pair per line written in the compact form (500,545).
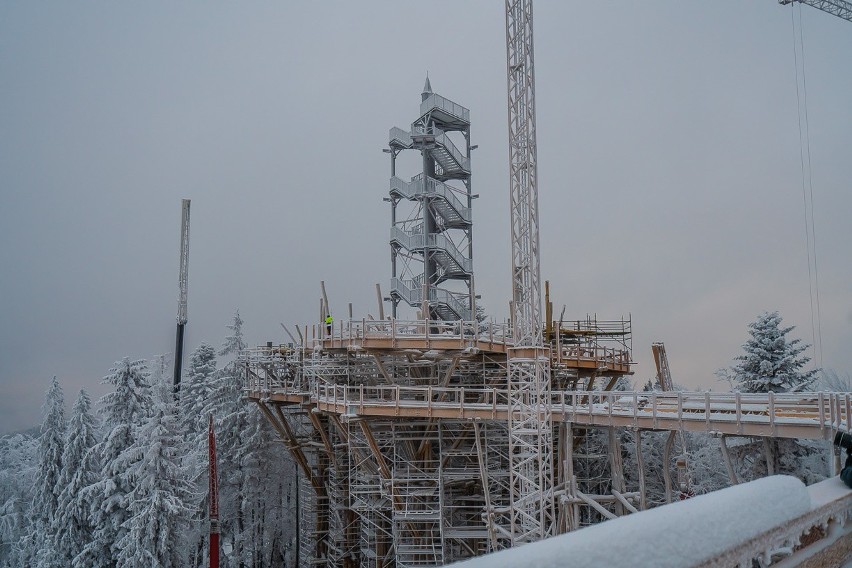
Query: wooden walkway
(801,415)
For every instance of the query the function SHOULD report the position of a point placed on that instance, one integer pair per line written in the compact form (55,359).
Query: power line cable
(810,186)
(804,187)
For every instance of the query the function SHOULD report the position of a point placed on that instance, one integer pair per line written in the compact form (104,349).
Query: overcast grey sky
(670,180)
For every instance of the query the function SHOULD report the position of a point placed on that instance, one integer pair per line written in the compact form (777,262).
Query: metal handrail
(437,101)
(437,241)
(441,139)
(412,293)
(828,412)
(415,188)
(402,136)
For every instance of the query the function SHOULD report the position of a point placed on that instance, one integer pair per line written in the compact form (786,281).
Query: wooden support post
(325,298)
(770,456)
(640,464)
(732,475)
(381,368)
(596,506)
(374,447)
(616,466)
(292,444)
(322,433)
(381,301)
(667,456)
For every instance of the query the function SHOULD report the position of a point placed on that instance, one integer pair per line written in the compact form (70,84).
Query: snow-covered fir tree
(195,390)
(771,362)
(194,399)
(37,546)
(72,527)
(124,411)
(18,459)
(253,488)
(158,491)
(234,343)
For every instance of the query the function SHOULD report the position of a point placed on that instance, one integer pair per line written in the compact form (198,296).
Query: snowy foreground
(687,533)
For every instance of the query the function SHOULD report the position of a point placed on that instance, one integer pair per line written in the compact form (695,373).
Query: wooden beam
(667,456)
(727,458)
(640,465)
(292,444)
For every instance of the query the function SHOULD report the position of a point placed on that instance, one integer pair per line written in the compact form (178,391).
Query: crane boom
(183,282)
(839,8)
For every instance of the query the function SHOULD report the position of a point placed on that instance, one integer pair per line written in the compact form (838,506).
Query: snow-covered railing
(764,519)
(349,333)
(799,415)
(437,101)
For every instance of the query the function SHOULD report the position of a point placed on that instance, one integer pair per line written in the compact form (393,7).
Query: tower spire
(427,88)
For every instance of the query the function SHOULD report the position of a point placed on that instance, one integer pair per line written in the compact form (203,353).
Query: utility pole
(183,282)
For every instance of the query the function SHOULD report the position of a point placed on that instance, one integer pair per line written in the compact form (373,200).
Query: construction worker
(328,322)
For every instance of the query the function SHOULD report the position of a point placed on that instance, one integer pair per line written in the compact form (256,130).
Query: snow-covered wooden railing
(776,520)
(789,415)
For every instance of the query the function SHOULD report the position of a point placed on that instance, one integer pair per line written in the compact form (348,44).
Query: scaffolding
(393,470)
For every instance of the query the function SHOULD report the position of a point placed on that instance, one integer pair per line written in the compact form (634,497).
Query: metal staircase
(454,214)
(433,240)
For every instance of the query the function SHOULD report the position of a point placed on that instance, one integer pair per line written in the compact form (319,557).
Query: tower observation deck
(431,234)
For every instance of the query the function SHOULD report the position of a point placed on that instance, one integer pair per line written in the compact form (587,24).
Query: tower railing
(434,101)
(412,292)
(442,140)
(416,188)
(440,242)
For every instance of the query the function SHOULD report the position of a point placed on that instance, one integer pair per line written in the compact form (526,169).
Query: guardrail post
(707,409)
(654,408)
(738,401)
(821,402)
(680,409)
(772,412)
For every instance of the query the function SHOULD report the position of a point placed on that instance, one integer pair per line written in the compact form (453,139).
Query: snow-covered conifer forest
(124,482)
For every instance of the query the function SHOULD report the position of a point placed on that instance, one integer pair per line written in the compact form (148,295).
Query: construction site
(432,434)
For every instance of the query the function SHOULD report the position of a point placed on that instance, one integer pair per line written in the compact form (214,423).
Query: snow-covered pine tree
(234,343)
(771,362)
(230,416)
(18,459)
(124,410)
(195,395)
(37,546)
(266,478)
(159,492)
(72,527)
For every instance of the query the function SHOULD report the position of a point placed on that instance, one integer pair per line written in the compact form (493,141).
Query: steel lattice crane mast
(839,8)
(531,510)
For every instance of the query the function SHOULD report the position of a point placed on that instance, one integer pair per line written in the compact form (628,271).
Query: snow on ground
(685,533)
